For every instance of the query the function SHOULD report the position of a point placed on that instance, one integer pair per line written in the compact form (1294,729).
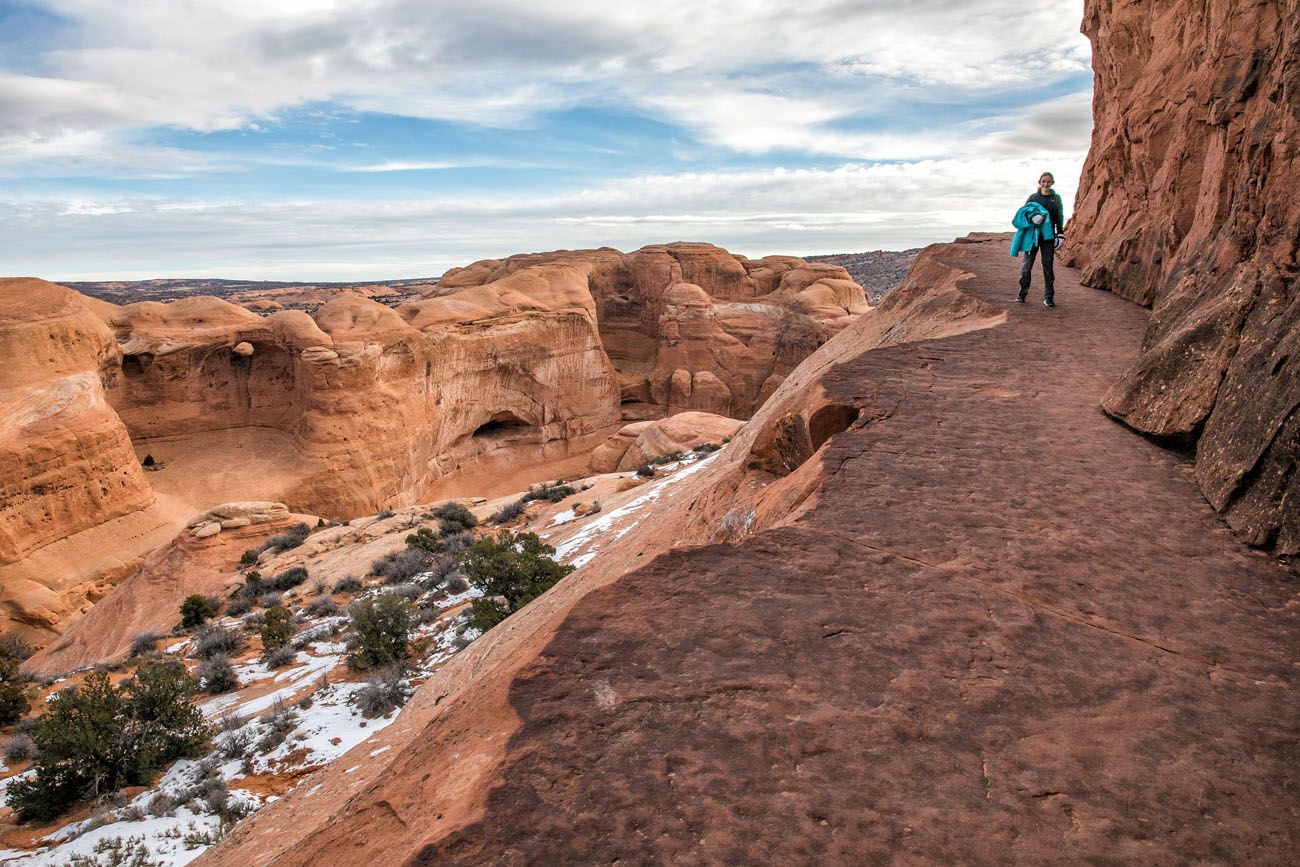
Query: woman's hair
(1047,175)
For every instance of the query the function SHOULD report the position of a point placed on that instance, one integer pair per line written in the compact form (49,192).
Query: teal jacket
(1027,234)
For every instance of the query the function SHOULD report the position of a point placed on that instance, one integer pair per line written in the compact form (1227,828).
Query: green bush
(97,738)
(381,626)
(425,540)
(454,517)
(14,704)
(508,512)
(511,570)
(195,610)
(248,558)
(277,629)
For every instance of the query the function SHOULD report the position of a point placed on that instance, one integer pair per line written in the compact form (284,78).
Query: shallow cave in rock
(830,420)
(502,425)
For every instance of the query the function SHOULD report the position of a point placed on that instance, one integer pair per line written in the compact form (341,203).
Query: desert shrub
(14,647)
(348,584)
(161,804)
(457,584)
(286,580)
(269,600)
(213,640)
(19,748)
(291,538)
(248,558)
(280,656)
(381,626)
(424,540)
(706,448)
(645,471)
(384,691)
(277,628)
(595,507)
(144,642)
(279,721)
(239,605)
(400,566)
(508,512)
(97,738)
(454,517)
(14,703)
(307,637)
(195,610)
(385,514)
(550,491)
(409,592)
(511,570)
(217,675)
(454,543)
(668,458)
(321,606)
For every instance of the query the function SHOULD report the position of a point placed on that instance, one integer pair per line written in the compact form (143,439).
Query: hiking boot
(1020,299)
(1048,302)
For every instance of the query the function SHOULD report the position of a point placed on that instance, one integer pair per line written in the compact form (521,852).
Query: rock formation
(199,560)
(360,406)
(1188,204)
(76,511)
(642,441)
(692,327)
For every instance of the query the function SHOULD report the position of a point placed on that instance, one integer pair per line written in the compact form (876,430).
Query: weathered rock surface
(641,441)
(359,406)
(1188,204)
(76,511)
(149,600)
(883,661)
(692,327)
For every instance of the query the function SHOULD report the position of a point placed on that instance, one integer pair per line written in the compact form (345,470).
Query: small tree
(277,628)
(381,626)
(511,570)
(97,738)
(14,704)
(195,610)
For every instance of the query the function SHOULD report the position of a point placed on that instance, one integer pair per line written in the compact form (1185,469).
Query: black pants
(1048,249)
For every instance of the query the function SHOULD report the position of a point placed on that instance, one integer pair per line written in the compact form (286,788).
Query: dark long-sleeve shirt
(1054,207)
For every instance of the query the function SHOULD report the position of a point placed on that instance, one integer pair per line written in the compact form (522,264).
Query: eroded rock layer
(73,498)
(692,327)
(360,406)
(1188,204)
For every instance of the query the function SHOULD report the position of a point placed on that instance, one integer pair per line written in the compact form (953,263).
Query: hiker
(1041,230)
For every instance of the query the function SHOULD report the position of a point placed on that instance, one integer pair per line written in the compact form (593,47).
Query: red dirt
(1007,631)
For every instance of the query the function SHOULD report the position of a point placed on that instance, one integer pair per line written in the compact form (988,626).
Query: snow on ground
(580,548)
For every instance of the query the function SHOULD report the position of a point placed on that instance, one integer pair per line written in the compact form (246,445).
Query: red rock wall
(1189,203)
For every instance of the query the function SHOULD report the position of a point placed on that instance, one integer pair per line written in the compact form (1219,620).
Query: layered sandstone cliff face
(74,503)
(1189,204)
(359,406)
(692,327)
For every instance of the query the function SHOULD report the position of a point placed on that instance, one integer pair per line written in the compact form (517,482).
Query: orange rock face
(74,502)
(692,327)
(360,406)
(641,441)
(1189,205)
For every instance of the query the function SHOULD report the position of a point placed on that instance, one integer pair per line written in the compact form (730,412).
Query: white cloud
(751,74)
(805,211)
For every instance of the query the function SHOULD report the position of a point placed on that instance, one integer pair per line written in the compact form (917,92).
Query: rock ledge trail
(1009,631)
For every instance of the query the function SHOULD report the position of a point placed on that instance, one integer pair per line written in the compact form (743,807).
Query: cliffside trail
(1010,631)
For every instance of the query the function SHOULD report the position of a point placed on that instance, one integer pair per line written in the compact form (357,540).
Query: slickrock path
(1011,631)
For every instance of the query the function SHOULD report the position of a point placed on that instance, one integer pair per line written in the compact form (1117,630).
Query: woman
(1052,202)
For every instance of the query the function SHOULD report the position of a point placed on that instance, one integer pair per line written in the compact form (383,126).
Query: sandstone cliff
(76,510)
(1189,204)
(692,327)
(358,406)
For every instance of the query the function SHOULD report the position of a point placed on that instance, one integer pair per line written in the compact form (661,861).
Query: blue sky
(322,139)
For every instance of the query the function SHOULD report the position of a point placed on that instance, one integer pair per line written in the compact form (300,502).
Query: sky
(367,139)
